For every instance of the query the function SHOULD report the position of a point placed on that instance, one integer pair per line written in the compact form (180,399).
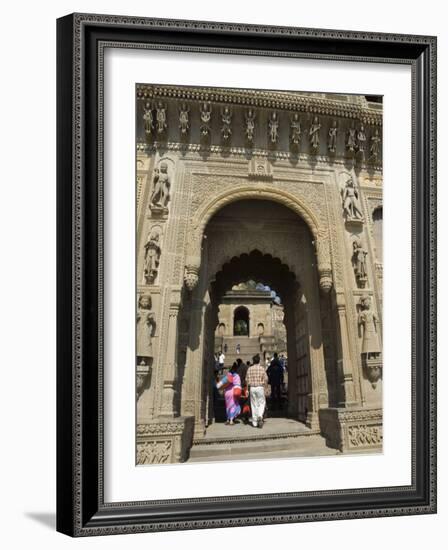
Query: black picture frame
(81,510)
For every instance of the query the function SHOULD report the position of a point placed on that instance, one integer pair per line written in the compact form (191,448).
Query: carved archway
(297,205)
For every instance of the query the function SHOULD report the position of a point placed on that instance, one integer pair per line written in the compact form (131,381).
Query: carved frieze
(365,436)
(154,452)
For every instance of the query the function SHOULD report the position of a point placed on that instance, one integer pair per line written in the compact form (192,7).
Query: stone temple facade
(277,187)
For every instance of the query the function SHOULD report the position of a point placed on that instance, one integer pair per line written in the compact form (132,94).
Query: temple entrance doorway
(260,290)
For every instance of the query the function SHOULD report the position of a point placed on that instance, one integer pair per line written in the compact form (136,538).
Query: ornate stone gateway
(282,188)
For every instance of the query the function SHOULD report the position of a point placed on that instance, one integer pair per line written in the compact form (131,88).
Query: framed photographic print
(231,303)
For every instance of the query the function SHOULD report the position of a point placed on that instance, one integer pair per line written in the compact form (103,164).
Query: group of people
(246,386)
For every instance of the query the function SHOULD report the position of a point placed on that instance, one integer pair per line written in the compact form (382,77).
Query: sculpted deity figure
(350,201)
(206,115)
(250,125)
(273,127)
(152,257)
(161,191)
(351,139)
(296,129)
(146,326)
(375,145)
(368,323)
(184,123)
(361,137)
(314,134)
(359,260)
(332,136)
(161,118)
(226,129)
(148,118)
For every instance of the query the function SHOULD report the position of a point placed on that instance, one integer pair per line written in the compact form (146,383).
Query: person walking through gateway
(256,379)
(275,376)
(231,384)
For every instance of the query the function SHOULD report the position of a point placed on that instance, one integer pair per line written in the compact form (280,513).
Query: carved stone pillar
(345,367)
(170,367)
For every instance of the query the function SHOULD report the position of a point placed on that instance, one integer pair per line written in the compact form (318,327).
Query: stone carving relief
(332,137)
(314,134)
(226,127)
(351,204)
(365,436)
(184,119)
(206,116)
(160,195)
(295,130)
(260,168)
(368,323)
(375,144)
(161,118)
(154,452)
(143,377)
(361,141)
(359,262)
(273,128)
(146,326)
(148,119)
(250,125)
(152,256)
(351,139)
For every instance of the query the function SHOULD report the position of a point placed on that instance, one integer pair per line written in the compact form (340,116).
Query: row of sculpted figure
(155,121)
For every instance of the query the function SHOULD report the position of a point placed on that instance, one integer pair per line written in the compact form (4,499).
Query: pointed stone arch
(205,213)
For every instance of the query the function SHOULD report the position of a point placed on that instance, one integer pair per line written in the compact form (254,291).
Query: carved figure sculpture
(361,137)
(148,118)
(250,125)
(184,123)
(375,145)
(296,130)
(350,201)
(273,127)
(332,136)
(351,139)
(368,322)
(161,118)
(146,326)
(206,115)
(226,129)
(161,191)
(359,261)
(314,134)
(152,257)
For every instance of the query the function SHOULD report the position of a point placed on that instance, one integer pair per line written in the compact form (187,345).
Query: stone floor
(279,438)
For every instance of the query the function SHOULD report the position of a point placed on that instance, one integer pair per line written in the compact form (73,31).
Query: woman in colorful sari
(231,383)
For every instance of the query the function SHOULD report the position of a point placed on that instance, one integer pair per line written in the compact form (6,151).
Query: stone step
(278,435)
(292,445)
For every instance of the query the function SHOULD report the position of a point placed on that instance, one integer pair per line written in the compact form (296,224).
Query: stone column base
(351,430)
(164,441)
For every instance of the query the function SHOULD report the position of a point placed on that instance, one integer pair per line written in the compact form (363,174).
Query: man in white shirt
(221,360)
